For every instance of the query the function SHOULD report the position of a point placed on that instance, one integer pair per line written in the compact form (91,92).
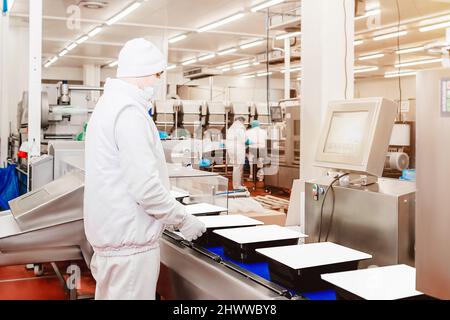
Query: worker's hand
(192,228)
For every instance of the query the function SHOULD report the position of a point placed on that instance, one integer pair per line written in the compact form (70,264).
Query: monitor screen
(276,114)
(346,133)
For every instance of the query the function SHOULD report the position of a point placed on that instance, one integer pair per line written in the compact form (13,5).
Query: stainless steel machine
(353,206)
(433,174)
(284,145)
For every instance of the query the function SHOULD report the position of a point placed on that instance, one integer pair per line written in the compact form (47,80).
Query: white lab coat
(258,141)
(127,202)
(236,143)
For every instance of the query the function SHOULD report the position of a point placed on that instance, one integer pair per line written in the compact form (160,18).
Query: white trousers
(131,277)
(238,172)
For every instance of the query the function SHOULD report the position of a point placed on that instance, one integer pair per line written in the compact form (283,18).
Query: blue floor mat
(262,269)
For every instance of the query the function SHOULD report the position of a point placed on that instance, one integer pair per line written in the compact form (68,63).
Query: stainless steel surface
(60,200)
(41,171)
(187,274)
(433,176)
(377,219)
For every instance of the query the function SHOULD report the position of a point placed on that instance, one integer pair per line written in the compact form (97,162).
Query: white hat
(140,58)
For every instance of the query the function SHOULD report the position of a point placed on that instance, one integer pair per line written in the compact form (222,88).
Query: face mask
(149,93)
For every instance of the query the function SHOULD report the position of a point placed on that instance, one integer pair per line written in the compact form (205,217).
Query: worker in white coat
(127,200)
(257,149)
(236,151)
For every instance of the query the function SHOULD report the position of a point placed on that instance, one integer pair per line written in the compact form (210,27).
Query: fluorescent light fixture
(188,62)
(48,64)
(368,13)
(266,4)
(417,62)
(240,62)
(256,63)
(63,53)
(207,57)
(248,76)
(82,39)
(222,67)
(288,35)
(295,69)
(53,60)
(171,67)
(242,66)
(436,20)
(178,38)
(264,74)
(391,35)
(124,13)
(299,79)
(228,51)
(221,22)
(226,69)
(410,50)
(358,42)
(72,46)
(399,74)
(94,32)
(435,26)
(367,69)
(372,56)
(252,44)
(113,64)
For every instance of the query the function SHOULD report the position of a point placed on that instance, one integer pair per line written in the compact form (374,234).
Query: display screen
(346,133)
(276,114)
(445,104)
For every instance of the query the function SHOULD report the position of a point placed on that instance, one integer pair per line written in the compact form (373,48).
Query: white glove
(192,228)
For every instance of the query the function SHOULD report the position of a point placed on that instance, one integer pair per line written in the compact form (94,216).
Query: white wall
(17,69)
(387,88)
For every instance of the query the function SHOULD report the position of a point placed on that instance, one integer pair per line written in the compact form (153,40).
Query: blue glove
(222,145)
(204,163)
(163,135)
(248,142)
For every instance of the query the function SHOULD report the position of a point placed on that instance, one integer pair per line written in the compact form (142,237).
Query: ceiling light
(295,69)
(256,63)
(124,13)
(372,56)
(399,74)
(266,4)
(264,74)
(435,26)
(242,66)
(391,35)
(369,13)
(358,42)
(409,50)
(82,39)
(249,76)
(178,38)
(366,69)
(54,59)
(226,69)
(221,22)
(171,67)
(63,53)
(189,62)
(299,79)
(288,35)
(207,57)
(418,62)
(72,46)
(95,32)
(113,64)
(252,44)
(222,67)
(48,64)
(228,51)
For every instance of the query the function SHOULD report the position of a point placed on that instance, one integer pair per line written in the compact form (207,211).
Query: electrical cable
(346,50)
(399,61)
(323,202)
